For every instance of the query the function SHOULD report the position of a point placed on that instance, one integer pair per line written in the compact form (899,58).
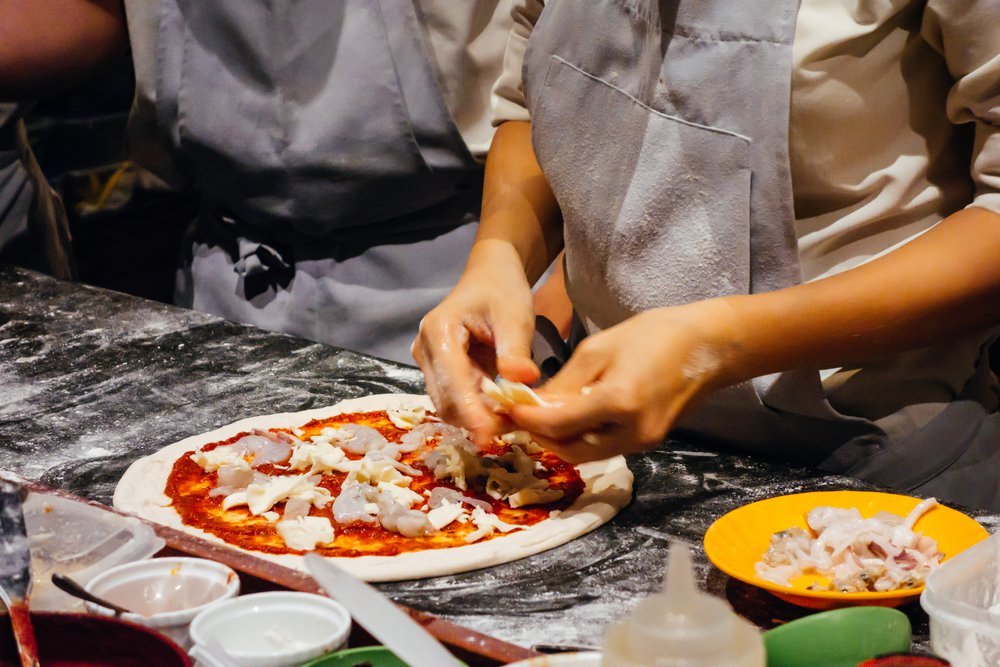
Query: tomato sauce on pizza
(199,497)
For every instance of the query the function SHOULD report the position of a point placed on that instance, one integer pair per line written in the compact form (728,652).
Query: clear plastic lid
(965,590)
(78,540)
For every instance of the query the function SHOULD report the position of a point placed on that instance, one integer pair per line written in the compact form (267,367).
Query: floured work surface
(93,380)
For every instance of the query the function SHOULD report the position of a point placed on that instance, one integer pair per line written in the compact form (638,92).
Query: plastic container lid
(274,629)
(682,626)
(965,590)
(962,598)
(78,540)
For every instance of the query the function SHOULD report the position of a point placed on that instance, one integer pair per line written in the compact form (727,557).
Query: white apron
(663,130)
(339,197)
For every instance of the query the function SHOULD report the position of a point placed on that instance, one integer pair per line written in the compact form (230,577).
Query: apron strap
(262,267)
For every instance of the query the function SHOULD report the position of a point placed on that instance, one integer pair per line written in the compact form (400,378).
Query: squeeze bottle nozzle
(682,627)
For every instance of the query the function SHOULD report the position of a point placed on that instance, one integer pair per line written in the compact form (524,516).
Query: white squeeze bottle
(682,627)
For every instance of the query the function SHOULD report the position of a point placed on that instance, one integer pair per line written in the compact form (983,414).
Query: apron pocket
(656,208)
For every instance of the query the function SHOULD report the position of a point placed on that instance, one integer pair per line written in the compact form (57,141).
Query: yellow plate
(737,540)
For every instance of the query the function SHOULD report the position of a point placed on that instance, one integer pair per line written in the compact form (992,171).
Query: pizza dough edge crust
(608,489)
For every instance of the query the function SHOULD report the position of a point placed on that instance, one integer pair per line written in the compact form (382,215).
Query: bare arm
(553,302)
(645,371)
(46,45)
(485,325)
(940,285)
(520,214)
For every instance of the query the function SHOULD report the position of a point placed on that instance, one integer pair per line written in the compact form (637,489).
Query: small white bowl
(275,629)
(166,593)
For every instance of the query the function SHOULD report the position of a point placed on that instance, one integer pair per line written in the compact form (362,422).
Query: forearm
(943,284)
(49,44)
(552,301)
(520,217)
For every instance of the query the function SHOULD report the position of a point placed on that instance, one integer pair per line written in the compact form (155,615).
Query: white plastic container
(962,598)
(278,629)
(166,593)
(585,659)
(682,627)
(80,541)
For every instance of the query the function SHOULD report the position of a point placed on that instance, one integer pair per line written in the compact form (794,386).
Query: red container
(77,640)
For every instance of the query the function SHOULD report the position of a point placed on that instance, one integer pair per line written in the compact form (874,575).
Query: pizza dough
(608,489)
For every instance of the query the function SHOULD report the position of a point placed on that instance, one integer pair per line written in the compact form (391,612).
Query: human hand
(484,326)
(624,388)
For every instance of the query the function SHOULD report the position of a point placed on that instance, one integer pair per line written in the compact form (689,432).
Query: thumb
(512,336)
(518,369)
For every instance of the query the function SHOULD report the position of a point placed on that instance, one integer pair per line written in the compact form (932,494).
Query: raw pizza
(378,483)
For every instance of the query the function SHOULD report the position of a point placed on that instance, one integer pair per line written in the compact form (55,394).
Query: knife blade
(380,616)
(15,567)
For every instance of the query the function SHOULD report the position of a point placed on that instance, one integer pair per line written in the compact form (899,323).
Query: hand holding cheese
(623,388)
(484,326)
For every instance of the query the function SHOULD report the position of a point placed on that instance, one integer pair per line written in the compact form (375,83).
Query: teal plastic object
(838,638)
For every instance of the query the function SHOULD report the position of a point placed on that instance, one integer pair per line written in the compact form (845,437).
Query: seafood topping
(881,553)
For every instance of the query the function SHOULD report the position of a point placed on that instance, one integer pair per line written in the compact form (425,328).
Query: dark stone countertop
(90,380)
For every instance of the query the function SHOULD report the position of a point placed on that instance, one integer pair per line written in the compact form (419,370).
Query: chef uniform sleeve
(967,34)
(508,92)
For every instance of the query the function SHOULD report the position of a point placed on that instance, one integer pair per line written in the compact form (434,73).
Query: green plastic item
(365,656)
(838,638)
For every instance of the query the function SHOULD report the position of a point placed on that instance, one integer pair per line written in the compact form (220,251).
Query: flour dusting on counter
(103,389)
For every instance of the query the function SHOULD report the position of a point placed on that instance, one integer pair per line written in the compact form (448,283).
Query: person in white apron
(661,132)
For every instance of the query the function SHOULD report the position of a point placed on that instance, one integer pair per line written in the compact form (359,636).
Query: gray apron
(663,130)
(339,197)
